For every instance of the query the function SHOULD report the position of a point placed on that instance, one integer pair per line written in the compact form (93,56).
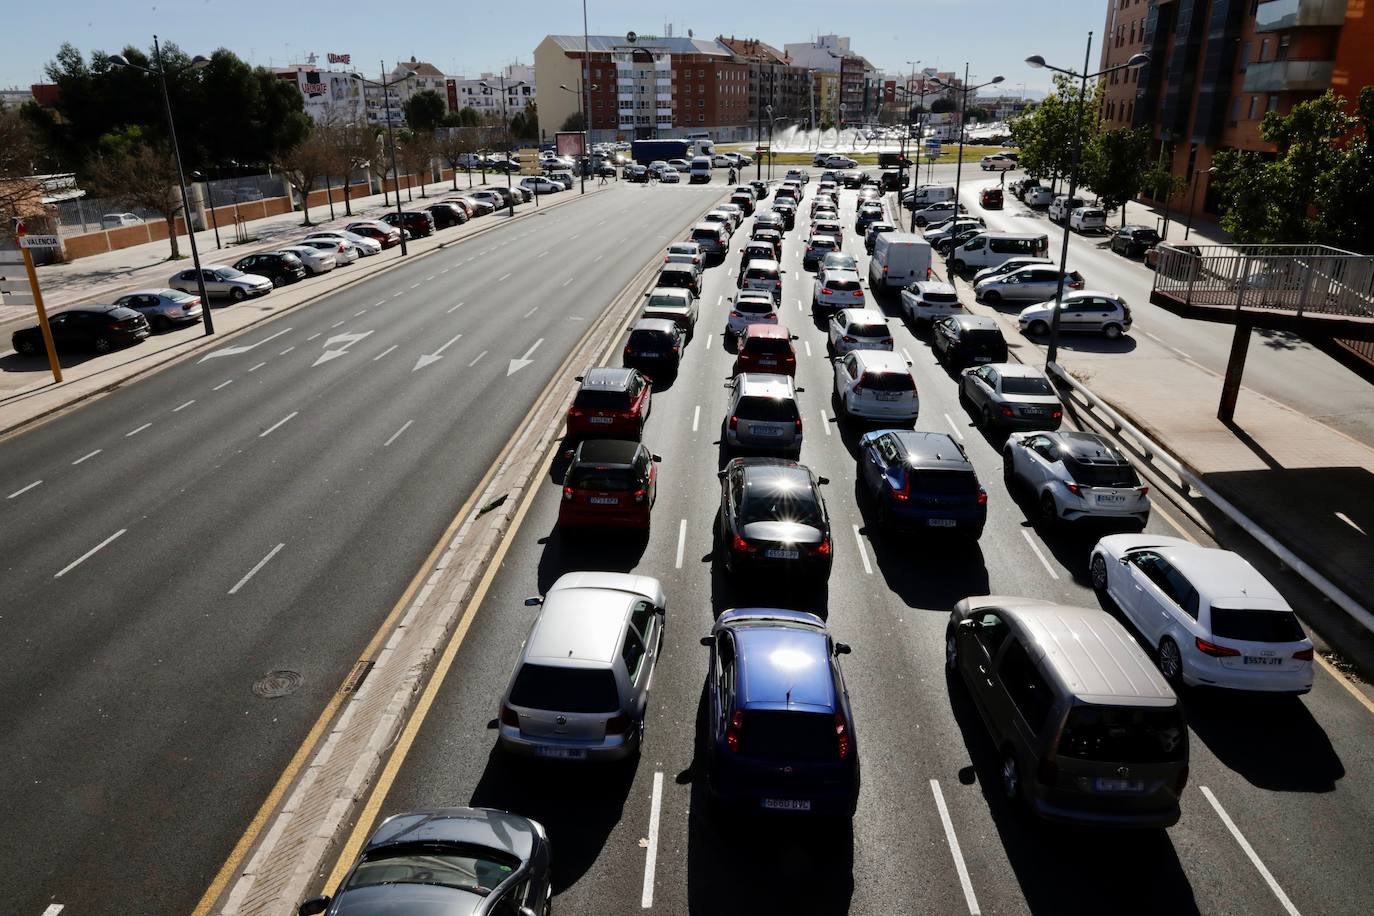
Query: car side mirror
(707,641)
(822,481)
(968,624)
(313,905)
(842,648)
(534,601)
(795,337)
(728,385)
(800,390)
(656,457)
(578,378)
(720,475)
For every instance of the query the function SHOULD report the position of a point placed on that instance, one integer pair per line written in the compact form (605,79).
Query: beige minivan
(1086,728)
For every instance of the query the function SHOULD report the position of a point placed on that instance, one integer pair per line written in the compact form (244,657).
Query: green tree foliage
(1046,135)
(425,110)
(1345,196)
(140,174)
(1114,166)
(574,121)
(468,117)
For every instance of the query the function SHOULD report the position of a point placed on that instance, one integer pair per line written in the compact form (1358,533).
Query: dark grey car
(1011,396)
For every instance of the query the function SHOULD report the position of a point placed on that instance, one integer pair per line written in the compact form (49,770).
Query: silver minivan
(580,687)
(1086,728)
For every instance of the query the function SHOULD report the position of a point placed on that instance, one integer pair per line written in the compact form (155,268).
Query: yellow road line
(1345,681)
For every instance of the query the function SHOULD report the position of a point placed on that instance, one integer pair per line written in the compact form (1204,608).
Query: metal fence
(1297,279)
(84,214)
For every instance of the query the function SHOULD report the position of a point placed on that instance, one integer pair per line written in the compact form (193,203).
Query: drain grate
(357,675)
(277,684)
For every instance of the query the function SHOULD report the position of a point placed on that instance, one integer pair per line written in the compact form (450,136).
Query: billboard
(569,143)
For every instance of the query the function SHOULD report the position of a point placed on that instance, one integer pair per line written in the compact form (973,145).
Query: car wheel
(1009,471)
(951,650)
(956,266)
(102,345)
(1011,777)
(1170,662)
(1049,511)
(988,419)
(1113,331)
(28,347)
(992,297)
(1098,571)
(1038,328)
(278,281)
(237,294)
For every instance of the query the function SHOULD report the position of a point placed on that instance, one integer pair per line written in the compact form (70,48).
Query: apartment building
(773,81)
(483,93)
(332,95)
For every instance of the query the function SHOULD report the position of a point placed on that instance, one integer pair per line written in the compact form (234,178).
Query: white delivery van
(899,259)
(701,170)
(929,194)
(988,249)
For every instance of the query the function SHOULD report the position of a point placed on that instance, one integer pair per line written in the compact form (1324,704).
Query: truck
(647,151)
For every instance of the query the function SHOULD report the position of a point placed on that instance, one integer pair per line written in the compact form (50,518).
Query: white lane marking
(1156,338)
(313,336)
(479,356)
(275,426)
(397,434)
(863,554)
(430,277)
(183,406)
(1180,352)
(228,381)
(254,571)
(646,900)
(955,427)
(31,486)
(731,273)
(429,358)
(907,355)
(286,351)
(88,554)
(234,351)
(602,223)
(531,312)
(396,295)
(517,364)
(567,281)
(597,258)
(336,324)
(385,352)
(360,313)
(382,302)
(1025,533)
(579,235)
(709,338)
(696,417)
(454,309)
(541,254)
(258,366)
(681,543)
(445,270)
(1250,851)
(807,344)
(1345,518)
(88,455)
(502,278)
(135,432)
(954,849)
(53,909)
(414,286)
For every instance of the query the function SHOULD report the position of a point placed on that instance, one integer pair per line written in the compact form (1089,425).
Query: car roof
(606,452)
(677,267)
(1018,370)
(607,378)
(484,827)
(975,323)
(154,291)
(662,325)
(931,449)
(1088,447)
(704,225)
(935,286)
(771,331)
(882,361)
(864,316)
(1080,293)
(783,667)
(1218,575)
(581,622)
(765,385)
(761,264)
(683,247)
(674,292)
(841,273)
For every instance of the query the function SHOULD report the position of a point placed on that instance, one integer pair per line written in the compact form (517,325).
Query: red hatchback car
(612,403)
(378,231)
(611,483)
(766,348)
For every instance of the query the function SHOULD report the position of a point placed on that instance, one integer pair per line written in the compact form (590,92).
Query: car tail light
(982,497)
(886,340)
(1214,650)
(567,494)
(1303,655)
(1142,491)
(735,314)
(825,292)
(1074,284)
(117,326)
(842,740)
(640,495)
(732,733)
(734,422)
(1074,489)
(1007,411)
(510,717)
(628,351)
(859,293)
(740,545)
(859,384)
(885,270)
(1056,414)
(576,413)
(798,425)
(847,339)
(1047,772)
(618,725)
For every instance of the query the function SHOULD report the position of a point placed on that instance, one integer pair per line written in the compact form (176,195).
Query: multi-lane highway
(1274,816)
(258,509)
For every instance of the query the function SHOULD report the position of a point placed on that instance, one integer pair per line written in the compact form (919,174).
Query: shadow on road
(1240,730)
(569,551)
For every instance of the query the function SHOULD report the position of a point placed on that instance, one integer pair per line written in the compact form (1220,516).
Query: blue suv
(922,482)
(780,733)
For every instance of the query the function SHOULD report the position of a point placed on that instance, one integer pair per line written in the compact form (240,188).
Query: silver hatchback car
(580,688)
(761,413)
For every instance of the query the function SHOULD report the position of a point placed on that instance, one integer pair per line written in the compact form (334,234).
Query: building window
(1235,110)
(1264,49)
(1272,104)
(1244,56)
(1281,52)
(701,119)
(701,103)
(1254,104)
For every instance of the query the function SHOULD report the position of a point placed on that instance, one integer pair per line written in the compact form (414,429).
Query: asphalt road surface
(255,510)
(1275,816)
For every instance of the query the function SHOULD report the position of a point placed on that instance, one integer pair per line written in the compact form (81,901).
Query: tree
(531,122)
(416,150)
(143,175)
(304,166)
(1162,184)
(1046,136)
(977,113)
(943,105)
(1114,164)
(574,121)
(352,145)
(20,191)
(468,116)
(1345,197)
(424,110)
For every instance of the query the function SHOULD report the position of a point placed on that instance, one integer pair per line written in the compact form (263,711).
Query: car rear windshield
(768,410)
(1123,734)
(889,381)
(842,284)
(945,483)
(753,306)
(649,340)
(602,400)
(1102,475)
(591,477)
(772,346)
(1256,626)
(822,243)
(565,689)
(666,302)
(709,235)
(760,273)
(784,735)
(1018,385)
(1145,235)
(869,330)
(797,506)
(986,340)
(941,298)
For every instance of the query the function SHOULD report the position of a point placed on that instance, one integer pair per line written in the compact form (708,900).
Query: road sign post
(27,242)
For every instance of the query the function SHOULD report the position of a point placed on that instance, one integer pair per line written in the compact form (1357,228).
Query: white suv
(1073,476)
(1088,218)
(926,301)
(1062,206)
(837,289)
(876,385)
(859,329)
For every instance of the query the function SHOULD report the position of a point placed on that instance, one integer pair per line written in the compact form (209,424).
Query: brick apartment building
(773,80)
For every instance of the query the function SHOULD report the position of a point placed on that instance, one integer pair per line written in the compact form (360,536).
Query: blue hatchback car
(922,482)
(780,735)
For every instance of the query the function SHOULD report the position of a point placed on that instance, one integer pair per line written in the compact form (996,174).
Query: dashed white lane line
(397,434)
(414,286)
(578,236)
(807,344)
(1250,851)
(286,351)
(183,406)
(720,299)
(430,277)
(681,543)
(476,358)
(541,254)
(597,258)
(135,431)
(277,425)
(863,552)
(503,278)
(646,899)
(907,356)
(313,336)
(86,456)
(952,425)
(227,381)
(88,554)
(54,909)
(454,309)
(254,571)
(825,421)
(395,295)
(360,313)
(381,302)
(531,312)
(1156,338)
(567,281)
(385,352)
(1180,352)
(258,366)
(709,338)
(1025,533)
(954,849)
(336,324)
(29,487)
(1345,518)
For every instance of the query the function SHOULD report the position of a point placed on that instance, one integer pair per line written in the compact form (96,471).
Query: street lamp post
(505,120)
(586,152)
(1192,198)
(916,170)
(1038,62)
(198,62)
(963,107)
(391,140)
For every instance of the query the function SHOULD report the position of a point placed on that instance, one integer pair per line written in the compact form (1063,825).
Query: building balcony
(1288,76)
(1277,15)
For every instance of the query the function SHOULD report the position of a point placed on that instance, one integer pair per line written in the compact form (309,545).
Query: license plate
(888,395)
(941,522)
(768,362)
(1106,784)
(1032,411)
(982,359)
(561,753)
(787,804)
(1109,499)
(602,420)
(603,501)
(654,355)
(778,553)
(765,431)
(1260,660)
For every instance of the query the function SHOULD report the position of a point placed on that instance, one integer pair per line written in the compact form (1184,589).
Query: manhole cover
(277,684)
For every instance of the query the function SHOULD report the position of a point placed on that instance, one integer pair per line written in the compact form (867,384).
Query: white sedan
(344,251)
(1073,476)
(366,246)
(541,185)
(1211,618)
(315,260)
(859,329)
(221,280)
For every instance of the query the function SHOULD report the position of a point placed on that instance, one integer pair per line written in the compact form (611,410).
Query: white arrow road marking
(234,351)
(436,355)
(517,364)
(337,346)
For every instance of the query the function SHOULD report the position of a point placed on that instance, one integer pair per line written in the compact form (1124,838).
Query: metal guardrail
(1300,279)
(1155,454)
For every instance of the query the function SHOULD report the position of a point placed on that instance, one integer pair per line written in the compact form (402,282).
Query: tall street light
(385,86)
(1192,198)
(510,199)
(964,91)
(197,63)
(1038,62)
(586,150)
(916,171)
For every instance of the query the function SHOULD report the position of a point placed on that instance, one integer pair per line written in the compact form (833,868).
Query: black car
(772,517)
(967,340)
(852,179)
(1134,241)
(465,861)
(417,223)
(760,189)
(98,327)
(895,181)
(446,215)
(681,276)
(636,173)
(654,347)
(281,267)
(787,209)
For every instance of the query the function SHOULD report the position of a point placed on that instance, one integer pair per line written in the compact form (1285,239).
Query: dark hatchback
(446,215)
(1134,241)
(654,347)
(418,224)
(968,340)
(681,276)
(610,483)
(446,862)
(281,267)
(101,328)
(922,482)
(773,518)
(780,732)
(611,403)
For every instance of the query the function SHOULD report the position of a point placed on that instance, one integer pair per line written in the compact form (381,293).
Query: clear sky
(467,37)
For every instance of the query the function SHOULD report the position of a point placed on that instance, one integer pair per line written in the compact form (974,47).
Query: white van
(928,194)
(701,170)
(988,249)
(899,259)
